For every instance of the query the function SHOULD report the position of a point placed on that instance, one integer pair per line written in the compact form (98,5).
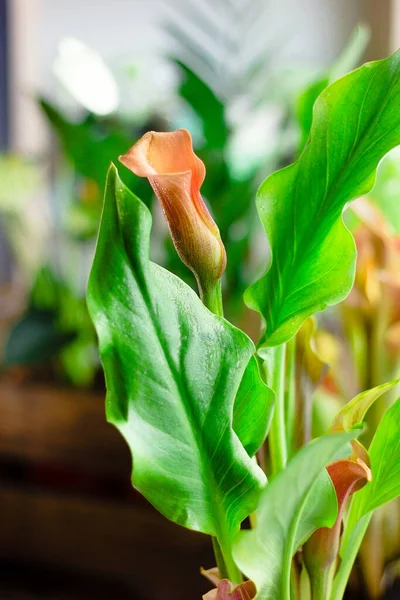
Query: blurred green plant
(55,330)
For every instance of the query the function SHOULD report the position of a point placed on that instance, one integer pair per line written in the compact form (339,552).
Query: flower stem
(349,553)
(211,296)
(277,434)
(225,563)
(290,395)
(223,571)
(321,582)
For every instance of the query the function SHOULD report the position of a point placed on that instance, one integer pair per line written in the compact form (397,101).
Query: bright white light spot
(86,77)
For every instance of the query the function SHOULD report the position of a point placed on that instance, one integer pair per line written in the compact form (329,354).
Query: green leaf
(264,554)
(172,370)
(384,453)
(320,510)
(91,144)
(353,412)
(207,106)
(356,122)
(253,409)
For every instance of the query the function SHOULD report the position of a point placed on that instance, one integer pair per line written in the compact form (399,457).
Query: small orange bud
(176,174)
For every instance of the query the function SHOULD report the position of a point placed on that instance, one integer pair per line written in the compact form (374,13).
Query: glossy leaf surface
(255,397)
(356,122)
(173,370)
(264,554)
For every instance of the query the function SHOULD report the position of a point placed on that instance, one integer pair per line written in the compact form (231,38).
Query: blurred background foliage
(225,89)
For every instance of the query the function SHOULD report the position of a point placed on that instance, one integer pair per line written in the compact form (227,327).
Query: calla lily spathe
(347,476)
(176,175)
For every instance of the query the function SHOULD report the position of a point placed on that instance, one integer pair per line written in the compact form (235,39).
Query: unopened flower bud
(176,174)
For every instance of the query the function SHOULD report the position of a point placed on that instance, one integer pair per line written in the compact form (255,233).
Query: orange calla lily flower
(322,548)
(176,175)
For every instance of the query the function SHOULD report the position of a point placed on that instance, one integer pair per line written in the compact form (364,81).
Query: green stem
(290,395)
(351,546)
(211,296)
(277,434)
(321,583)
(226,565)
(223,571)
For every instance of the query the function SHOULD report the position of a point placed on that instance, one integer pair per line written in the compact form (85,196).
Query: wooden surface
(153,557)
(60,426)
(67,507)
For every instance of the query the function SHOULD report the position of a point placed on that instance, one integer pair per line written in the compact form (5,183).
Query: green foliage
(265,553)
(35,338)
(206,105)
(55,328)
(257,399)
(356,122)
(183,385)
(353,412)
(90,144)
(173,370)
(384,454)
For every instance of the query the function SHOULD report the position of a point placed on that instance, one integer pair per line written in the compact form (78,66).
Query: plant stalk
(277,435)
(226,565)
(290,395)
(349,553)
(321,583)
(211,296)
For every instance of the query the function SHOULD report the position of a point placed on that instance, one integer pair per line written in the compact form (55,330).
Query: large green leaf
(173,370)
(356,122)
(384,454)
(264,554)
